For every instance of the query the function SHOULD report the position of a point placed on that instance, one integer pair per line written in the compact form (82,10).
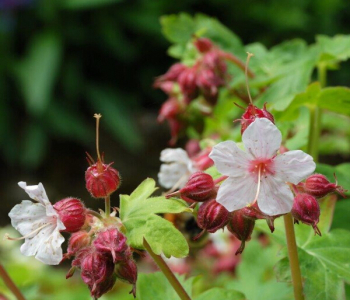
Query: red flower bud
(77,241)
(187,82)
(101,180)
(241,227)
(171,75)
(199,188)
(211,217)
(251,113)
(307,210)
(319,186)
(96,272)
(72,213)
(170,109)
(202,160)
(111,241)
(127,271)
(203,44)
(192,147)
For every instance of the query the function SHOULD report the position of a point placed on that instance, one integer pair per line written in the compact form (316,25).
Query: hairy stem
(240,64)
(293,257)
(94,213)
(108,205)
(167,272)
(10,284)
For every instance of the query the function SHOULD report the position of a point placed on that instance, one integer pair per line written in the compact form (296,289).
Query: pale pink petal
(174,155)
(229,159)
(172,174)
(262,138)
(46,245)
(236,192)
(275,196)
(294,166)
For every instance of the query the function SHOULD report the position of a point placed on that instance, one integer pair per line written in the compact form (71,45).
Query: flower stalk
(108,205)
(10,284)
(167,272)
(293,257)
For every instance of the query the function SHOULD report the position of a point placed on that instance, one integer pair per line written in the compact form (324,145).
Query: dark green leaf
(82,4)
(220,293)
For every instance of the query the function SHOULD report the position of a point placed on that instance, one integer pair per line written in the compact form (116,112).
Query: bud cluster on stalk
(184,84)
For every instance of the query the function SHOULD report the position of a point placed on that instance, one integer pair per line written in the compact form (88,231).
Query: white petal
(275,196)
(236,192)
(46,245)
(28,216)
(38,193)
(262,138)
(174,155)
(294,166)
(171,174)
(229,159)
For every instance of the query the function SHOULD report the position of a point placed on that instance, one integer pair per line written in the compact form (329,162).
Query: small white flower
(259,174)
(39,224)
(177,168)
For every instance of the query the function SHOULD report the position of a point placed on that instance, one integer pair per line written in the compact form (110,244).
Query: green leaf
(138,214)
(178,28)
(220,293)
(335,99)
(38,70)
(155,286)
(333,49)
(323,260)
(83,4)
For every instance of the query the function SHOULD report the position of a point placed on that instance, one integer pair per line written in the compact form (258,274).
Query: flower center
(262,166)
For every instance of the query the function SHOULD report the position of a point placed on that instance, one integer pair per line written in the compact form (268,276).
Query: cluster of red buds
(97,245)
(306,208)
(183,84)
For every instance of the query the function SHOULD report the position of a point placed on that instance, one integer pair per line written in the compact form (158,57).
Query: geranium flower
(177,168)
(39,224)
(259,174)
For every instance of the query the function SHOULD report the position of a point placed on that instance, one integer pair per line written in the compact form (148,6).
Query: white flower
(177,168)
(259,174)
(39,224)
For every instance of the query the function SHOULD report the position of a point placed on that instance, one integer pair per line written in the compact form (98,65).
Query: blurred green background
(63,60)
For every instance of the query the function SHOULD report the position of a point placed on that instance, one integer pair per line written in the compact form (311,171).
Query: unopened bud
(202,161)
(241,227)
(319,186)
(251,113)
(77,241)
(253,212)
(96,268)
(113,242)
(192,147)
(170,109)
(307,210)
(211,217)
(187,82)
(72,213)
(171,75)
(203,44)
(199,188)
(127,271)
(101,180)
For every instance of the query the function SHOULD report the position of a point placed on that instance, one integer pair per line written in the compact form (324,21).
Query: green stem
(167,272)
(10,284)
(94,213)
(293,257)
(316,117)
(107,205)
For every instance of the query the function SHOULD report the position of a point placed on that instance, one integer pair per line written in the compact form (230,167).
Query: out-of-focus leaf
(118,118)
(335,99)
(342,172)
(333,49)
(64,122)
(220,293)
(37,71)
(82,4)
(34,145)
(178,28)
(138,214)
(341,214)
(257,271)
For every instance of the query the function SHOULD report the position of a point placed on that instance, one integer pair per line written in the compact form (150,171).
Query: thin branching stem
(10,284)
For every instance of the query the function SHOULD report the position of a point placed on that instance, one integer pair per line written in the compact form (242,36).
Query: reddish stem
(10,284)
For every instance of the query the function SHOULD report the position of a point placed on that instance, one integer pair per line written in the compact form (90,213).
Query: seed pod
(307,210)
(241,227)
(77,241)
(127,271)
(72,213)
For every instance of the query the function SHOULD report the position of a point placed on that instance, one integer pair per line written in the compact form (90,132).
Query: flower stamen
(258,189)
(7,237)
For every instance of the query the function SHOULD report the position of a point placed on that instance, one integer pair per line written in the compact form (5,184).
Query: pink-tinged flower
(40,225)
(259,174)
(177,168)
